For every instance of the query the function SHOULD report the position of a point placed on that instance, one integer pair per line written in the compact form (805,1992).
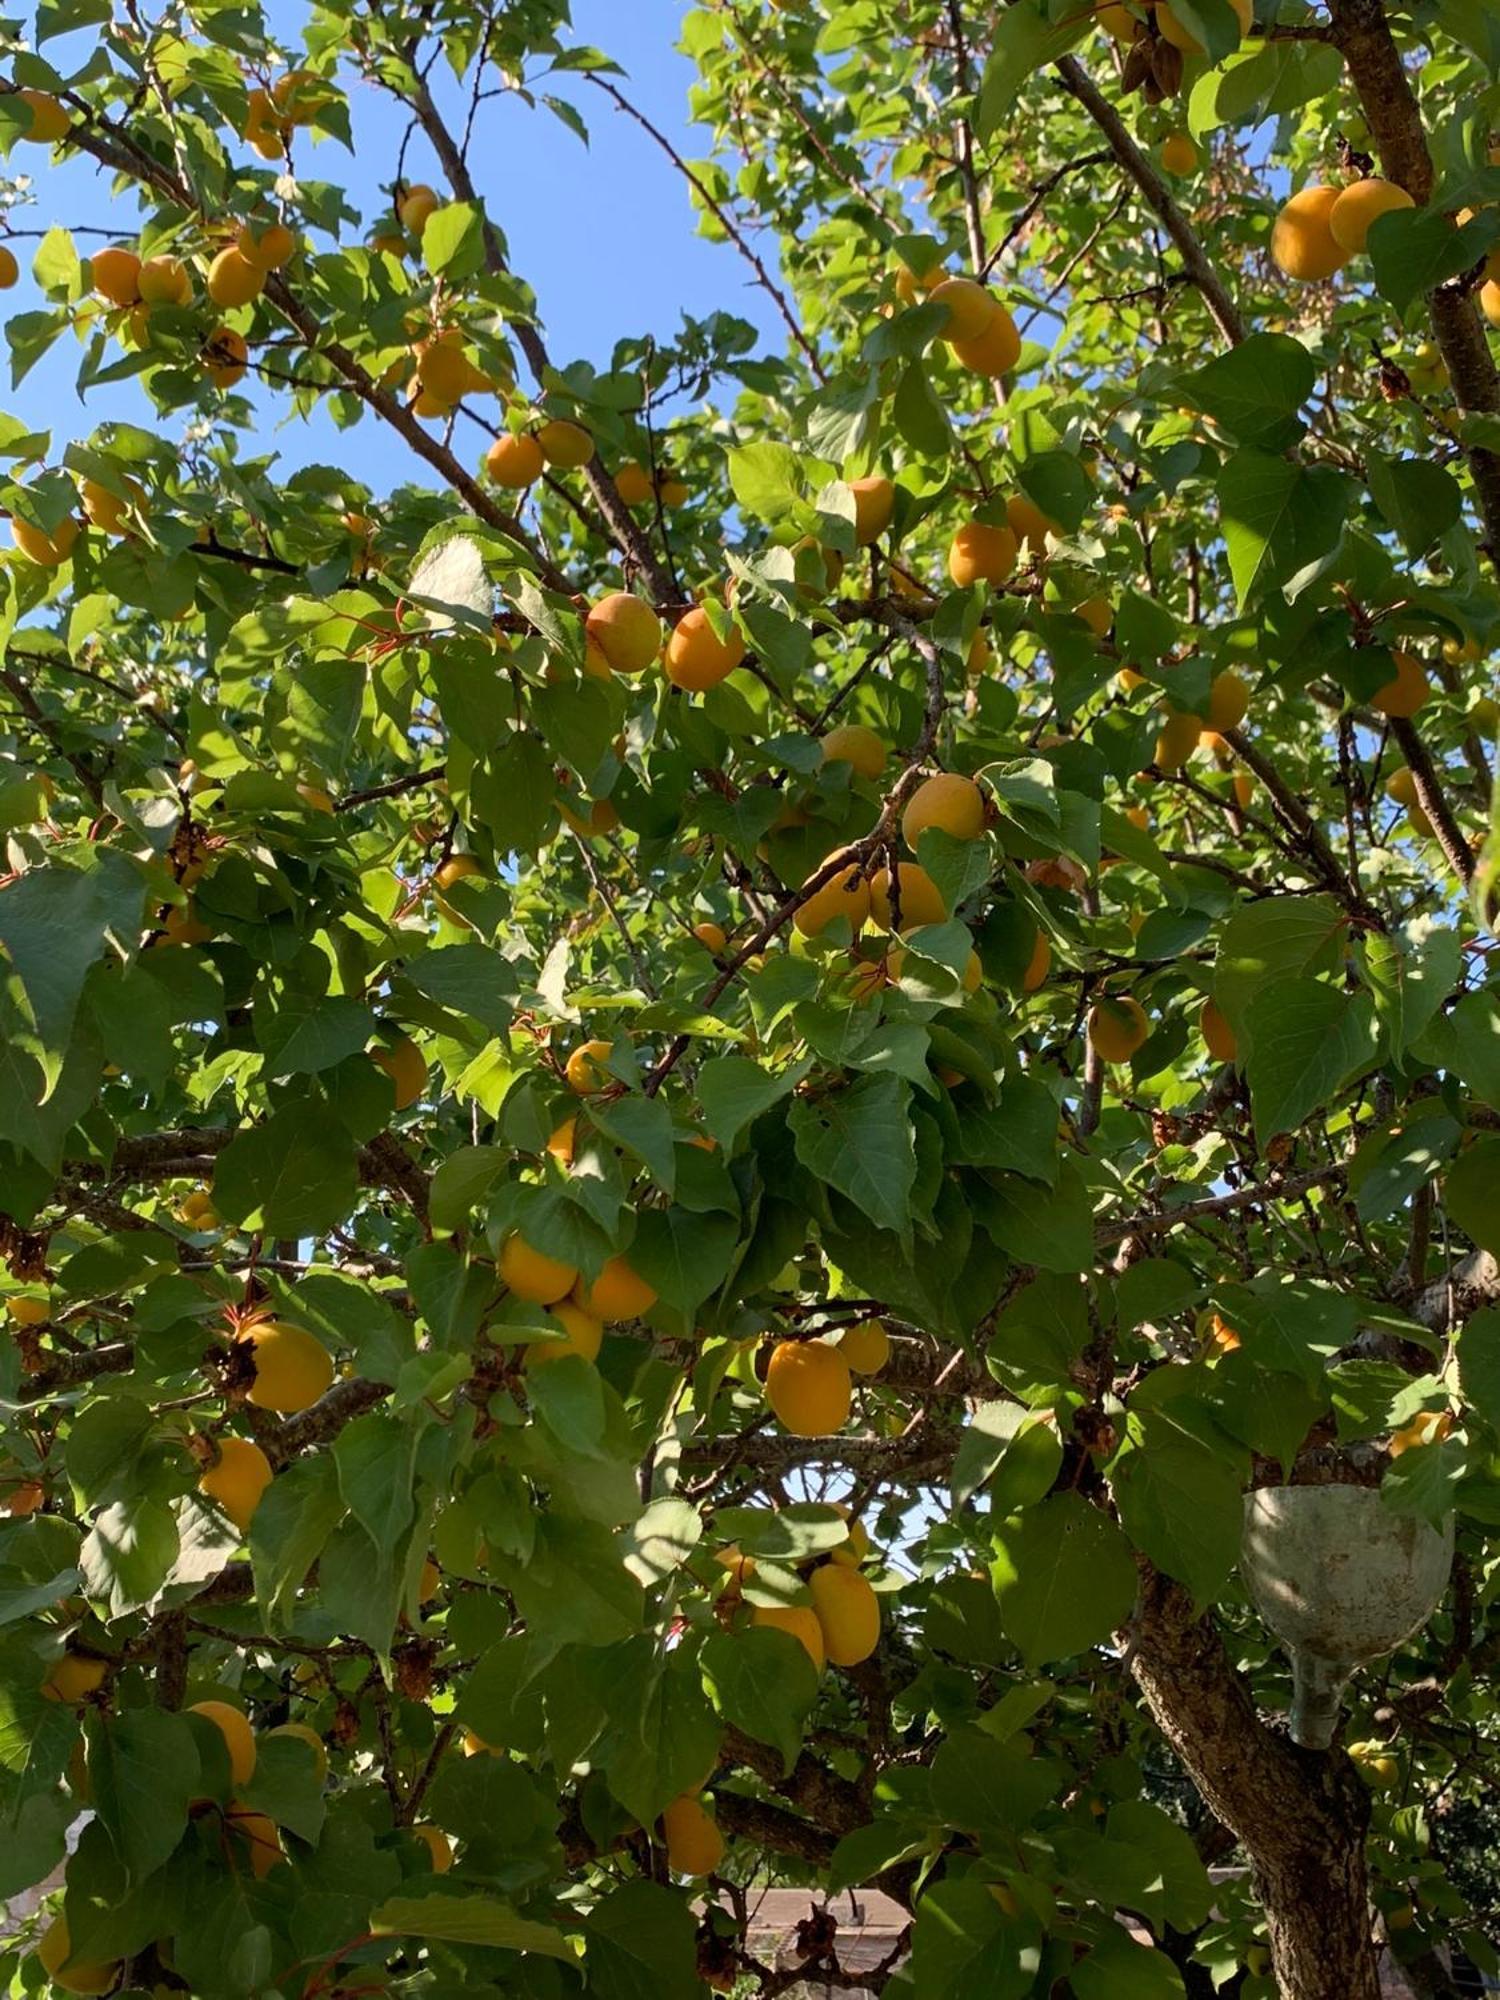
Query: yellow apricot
(233,280)
(269,246)
(995,350)
(694,1843)
(406,1066)
(951,802)
(257,1831)
(1403,696)
(633,484)
(853,743)
(49,118)
(846,895)
(697,659)
(1303,244)
(1038,965)
(73,1677)
(1176,32)
(808,1387)
(919,897)
(1401,786)
(1228,699)
(238,1478)
(1178,153)
(978,656)
(514,460)
(1178,739)
(670,491)
(562,1141)
(711,937)
(439,1846)
(225,355)
(1030,526)
(585,1336)
(800,1621)
(874,503)
(164,281)
(299,1732)
(981,553)
(1117,1028)
(239,1737)
(1097,613)
(533,1275)
(116,275)
(848,1611)
(292,1367)
(1358,206)
(54,1949)
(618,1293)
(626,630)
(1218,1036)
(475,1746)
(48,551)
(416,207)
(1489,300)
(564,444)
(108,510)
(969,308)
(866,1347)
(1426,1427)
(584,1070)
(28,1311)
(910,284)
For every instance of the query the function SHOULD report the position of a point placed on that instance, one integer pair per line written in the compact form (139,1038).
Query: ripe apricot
(54,1949)
(1097,613)
(694,1843)
(917,893)
(292,1367)
(514,461)
(233,280)
(239,1737)
(1426,1427)
(1030,526)
(73,1677)
(417,205)
(439,1846)
(874,503)
(808,1387)
(866,1347)
(800,1621)
(949,801)
(405,1065)
(1303,244)
(108,510)
(1401,786)
(1176,32)
(24,1499)
(48,551)
(475,1746)
(711,937)
(697,658)
(969,308)
(165,281)
(116,275)
(1118,1027)
(1218,1036)
(27,1310)
(1358,206)
(1177,740)
(618,1293)
(49,118)
(1038,965)
(256,1833)
(533,1275)
(585,1336)
(848,1611)
(584,1069)
(633,484)
(299,1732)
(562,1141)
(1178,153)
(1228,699)
(563,444)
(1405,694)
(626,630)
(995,350)
(853,743)
(237,1479)
(911,284)
(1489,300)
(981,553)
(846,895)
(268,245)
(225,355)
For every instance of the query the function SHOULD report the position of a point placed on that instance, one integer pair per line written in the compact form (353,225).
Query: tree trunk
(1300,1815)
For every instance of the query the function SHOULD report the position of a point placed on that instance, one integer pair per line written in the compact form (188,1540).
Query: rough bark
(1300,1815)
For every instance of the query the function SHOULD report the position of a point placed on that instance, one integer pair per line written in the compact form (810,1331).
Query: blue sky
(606,235)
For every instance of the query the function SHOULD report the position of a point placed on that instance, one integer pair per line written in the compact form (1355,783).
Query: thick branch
(1431,798)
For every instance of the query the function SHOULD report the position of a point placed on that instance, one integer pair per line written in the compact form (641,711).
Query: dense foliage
(685,1101)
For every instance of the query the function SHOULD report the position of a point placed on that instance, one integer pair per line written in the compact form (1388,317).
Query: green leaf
(461,1183)
(1181,1893)
(292,1176)
(684,1256)
(763,1682)
(1306,1039)
(860,1141)
(1479,1363)
(376,1458)
(304,1032)
(964,1945)
(298,1512)
(1117,1968)
(734,1091)
(1278,517)
(127,1554)
(1024,38)
(143,1773)
(1064,1577)
(643,1126)
(767,480)
(574,1587)
(1471,1191)
(453,241)
(1010,1450)
(1256,389)
(1413,250)
(1180,1504)
(919,414)
(666,1736)
(54,923)
(640,1945)
(465,1919)
(1420,500)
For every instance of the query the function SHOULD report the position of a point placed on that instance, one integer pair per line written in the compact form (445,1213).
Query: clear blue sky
(606,235)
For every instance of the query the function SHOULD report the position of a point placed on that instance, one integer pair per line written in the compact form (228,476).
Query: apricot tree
(688,1099)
